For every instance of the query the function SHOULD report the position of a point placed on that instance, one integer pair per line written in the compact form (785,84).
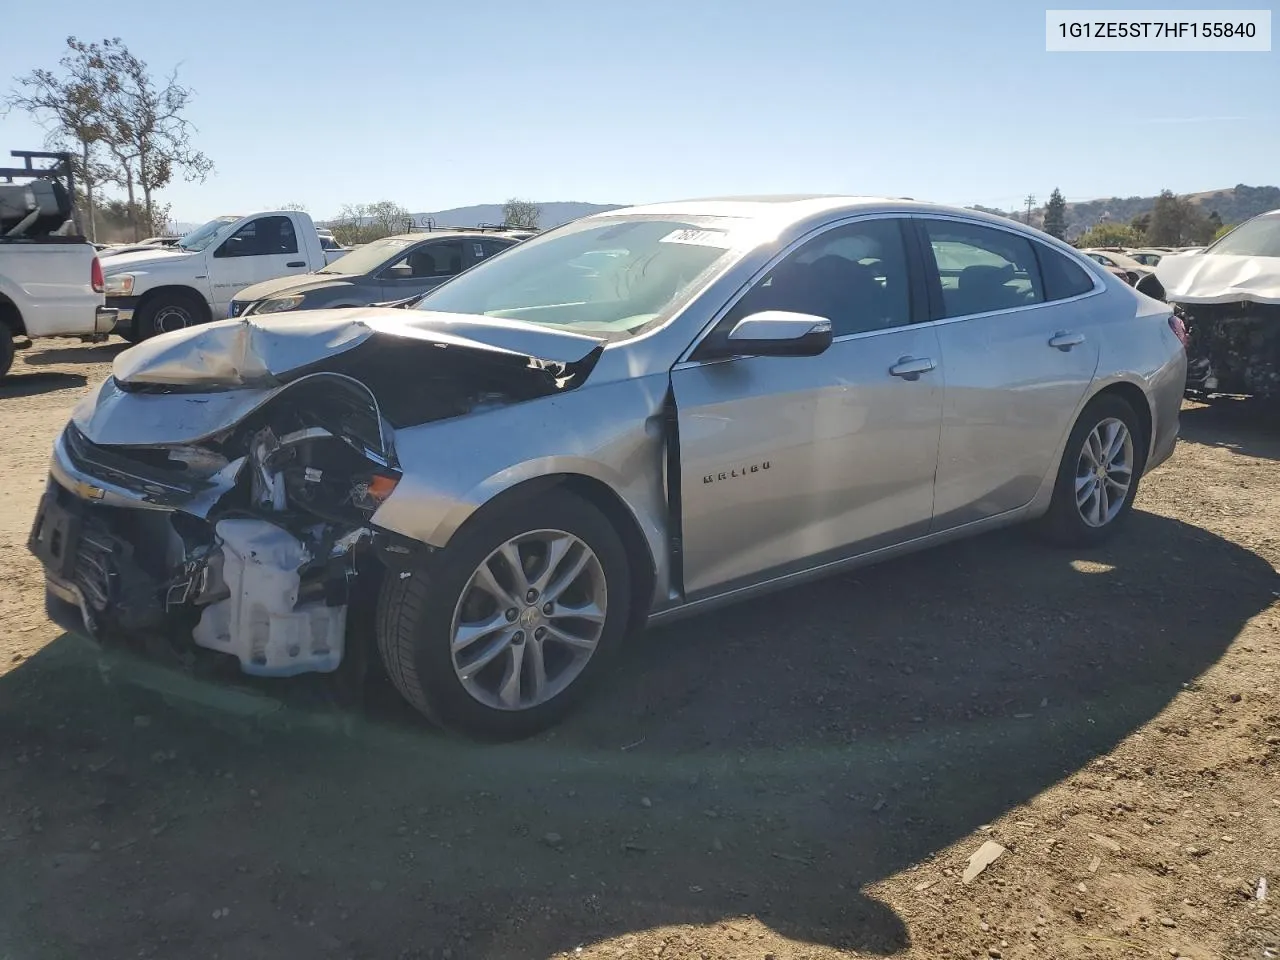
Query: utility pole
(1031,202)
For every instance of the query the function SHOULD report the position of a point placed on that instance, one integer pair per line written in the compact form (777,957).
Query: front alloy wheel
(529,620)
(499,634)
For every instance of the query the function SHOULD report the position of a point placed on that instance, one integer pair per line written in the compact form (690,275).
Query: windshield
(610,277)
(1259,237)
(368,258)
(201,237)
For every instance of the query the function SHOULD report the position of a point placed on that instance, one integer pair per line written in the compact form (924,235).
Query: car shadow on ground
(773,759)
(86,353)
(34,384)
(1246,426)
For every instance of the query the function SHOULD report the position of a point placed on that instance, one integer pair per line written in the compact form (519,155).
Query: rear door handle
(1064,341)
(910,368)
(296,263)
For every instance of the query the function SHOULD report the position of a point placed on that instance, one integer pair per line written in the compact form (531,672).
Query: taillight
(95,276)
(1178,327)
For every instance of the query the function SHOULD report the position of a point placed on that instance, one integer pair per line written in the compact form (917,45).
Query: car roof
(782,209)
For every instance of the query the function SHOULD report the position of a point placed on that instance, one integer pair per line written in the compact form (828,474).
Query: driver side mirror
(777,333)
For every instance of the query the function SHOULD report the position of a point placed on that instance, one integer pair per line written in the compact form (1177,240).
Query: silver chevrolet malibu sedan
(637,415)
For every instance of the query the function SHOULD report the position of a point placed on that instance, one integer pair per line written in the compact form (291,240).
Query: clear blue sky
(437,105)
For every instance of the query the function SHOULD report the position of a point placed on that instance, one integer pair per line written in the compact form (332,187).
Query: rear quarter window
(1063,277)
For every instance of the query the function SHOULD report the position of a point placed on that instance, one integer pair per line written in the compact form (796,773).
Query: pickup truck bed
(50,287)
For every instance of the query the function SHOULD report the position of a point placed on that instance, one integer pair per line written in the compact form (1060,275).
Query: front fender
(611,433)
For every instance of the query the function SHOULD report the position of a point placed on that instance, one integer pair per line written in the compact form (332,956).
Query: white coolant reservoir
(258,623)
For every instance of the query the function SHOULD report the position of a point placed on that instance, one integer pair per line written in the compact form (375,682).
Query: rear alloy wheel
(1104,472)
(503,631)
(1098,477)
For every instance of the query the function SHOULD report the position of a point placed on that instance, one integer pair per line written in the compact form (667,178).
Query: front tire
(504,631)
(6,350)
(165,313)
(1098,476)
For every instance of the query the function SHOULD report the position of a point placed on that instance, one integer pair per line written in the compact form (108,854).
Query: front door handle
(296,263)
(1064,341)
(910,368)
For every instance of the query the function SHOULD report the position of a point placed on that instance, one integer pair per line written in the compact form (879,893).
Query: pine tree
(1055,215)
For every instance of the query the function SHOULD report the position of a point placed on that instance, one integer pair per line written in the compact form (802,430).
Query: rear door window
(982,269)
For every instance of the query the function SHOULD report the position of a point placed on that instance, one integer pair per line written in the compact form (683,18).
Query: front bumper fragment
(124,308)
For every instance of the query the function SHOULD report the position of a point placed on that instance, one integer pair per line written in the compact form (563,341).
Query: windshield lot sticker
(701,238)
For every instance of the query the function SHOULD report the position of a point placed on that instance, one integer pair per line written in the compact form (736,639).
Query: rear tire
(424,613)
(6,350)
(1099,474)
(165,313)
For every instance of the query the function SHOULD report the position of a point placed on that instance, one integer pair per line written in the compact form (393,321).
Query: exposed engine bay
(1233,348)
(248,539)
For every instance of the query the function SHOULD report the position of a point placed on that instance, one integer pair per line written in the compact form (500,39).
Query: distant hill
(553,213)
(1234,205)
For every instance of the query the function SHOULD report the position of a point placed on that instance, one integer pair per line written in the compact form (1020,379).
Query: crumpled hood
(290,285)
(1219,278)
(269,350)
(188,385)
(142,260)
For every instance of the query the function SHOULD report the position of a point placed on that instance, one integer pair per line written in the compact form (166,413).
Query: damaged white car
(1229,297)
(640,414)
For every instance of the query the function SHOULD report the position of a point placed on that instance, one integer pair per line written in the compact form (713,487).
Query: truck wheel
(166,313)
(6,349)
(505,631)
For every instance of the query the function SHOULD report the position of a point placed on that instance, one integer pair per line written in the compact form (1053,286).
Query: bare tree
(148,134)
(295,206)
(387,218)
(365,222)
(71,106)
(349,225)
(521,213)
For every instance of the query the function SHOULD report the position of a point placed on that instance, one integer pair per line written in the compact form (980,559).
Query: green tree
(521,213)
(1109,235)
(1141,224)
(1055,215)
(1176,221)
(1223,231)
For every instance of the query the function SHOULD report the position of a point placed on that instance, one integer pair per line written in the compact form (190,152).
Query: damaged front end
(245,542)
(1233,348)
(217,493)
(1229,299)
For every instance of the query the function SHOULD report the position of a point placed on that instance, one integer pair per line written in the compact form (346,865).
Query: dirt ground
(802,776)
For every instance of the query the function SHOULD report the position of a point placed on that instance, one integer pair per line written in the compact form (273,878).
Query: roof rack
(61,168)
(430,226)
(47,213)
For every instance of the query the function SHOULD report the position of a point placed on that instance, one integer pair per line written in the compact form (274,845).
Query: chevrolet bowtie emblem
(87,491)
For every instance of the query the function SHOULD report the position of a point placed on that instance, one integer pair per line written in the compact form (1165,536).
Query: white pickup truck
(51,282)
(195,281)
